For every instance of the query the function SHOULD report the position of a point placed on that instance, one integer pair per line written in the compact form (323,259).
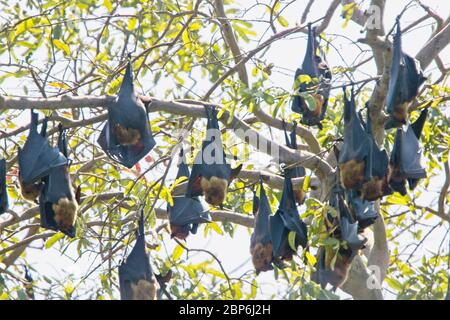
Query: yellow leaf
(177,252)
(50,242)
(108,5)
(57,84)
(216,227)
(311,259)
(62,46)
(132,24)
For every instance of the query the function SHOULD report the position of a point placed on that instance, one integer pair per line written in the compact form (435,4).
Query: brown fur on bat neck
(400,114)
(127,136)
(377,187)
(179,232)
(299,196)
(262,257)
(66,211)
(352,173)
(144,290)
(215,188)
(31,191)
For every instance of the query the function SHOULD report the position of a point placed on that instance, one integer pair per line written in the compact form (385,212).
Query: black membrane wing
(323,275)
(37,158)
(187,210)
(406,78)
(211,160)
(356,144)
(128,112)
(364,211)
(289,213)
(279,235)
(136,266)
(57,185)
(314,66)
(348,228)
(291,142)
(261,231)
(4,203)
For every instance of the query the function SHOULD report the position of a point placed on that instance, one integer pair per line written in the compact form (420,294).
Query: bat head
(179,232)
(215,190)
(144,290)
(66,211)
(262,257)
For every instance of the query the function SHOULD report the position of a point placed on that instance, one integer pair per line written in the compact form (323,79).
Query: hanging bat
(312,105)
(58,201)
(261,241)
(36,159)
(377,184)
(355,150)
(4,203)
(136,278)
(328,273)
(126,137)
(286,220)
(186,213)
(406,156)
(363,211)
(406,78)
(298,171)
(211,175)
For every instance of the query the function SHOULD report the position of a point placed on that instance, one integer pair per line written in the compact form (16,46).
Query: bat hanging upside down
(262,257)
(376,188)
(66,210)
(30,191)
(215,190)
(179,232)
(352,173)
(127,136)
(299,196)
(144,290)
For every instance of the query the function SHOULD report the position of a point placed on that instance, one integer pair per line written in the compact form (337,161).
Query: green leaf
(309,100)
(177,252)
(52,240)
(62,46)
(283,21)
(291,240)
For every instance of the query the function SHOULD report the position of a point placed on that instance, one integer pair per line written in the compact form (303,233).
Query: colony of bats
(365,173)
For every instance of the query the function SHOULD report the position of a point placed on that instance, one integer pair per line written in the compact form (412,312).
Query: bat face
(126,137)
(406,78)
(66,211)
(179,232)
(30,191)
(4,203)
(144,290)
(215,190)
(262,257)
(373,189)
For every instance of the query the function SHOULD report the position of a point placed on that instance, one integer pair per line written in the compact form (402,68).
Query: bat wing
(37,157)
(364,211)
(322,275)
(279,235)
(4,203)
(348,228)
(261,231)
(289,214)
(291,142)
(129,112)
(136,266)
(406,78)
(356,144)
(186,210)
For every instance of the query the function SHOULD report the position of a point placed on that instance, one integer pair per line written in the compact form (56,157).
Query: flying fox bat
(315,67)
(211,175)
(286,220)
(355,151)
(36,159)
(126,137)
(136,278)
(406,156)
(346,229)
(261,241)
(186,213)
(298,171)
(58,201)
(363,210)
(377,184)
(4,203)
(406,78)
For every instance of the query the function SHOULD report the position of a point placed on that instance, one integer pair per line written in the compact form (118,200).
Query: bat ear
(78,194)
(235,172)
